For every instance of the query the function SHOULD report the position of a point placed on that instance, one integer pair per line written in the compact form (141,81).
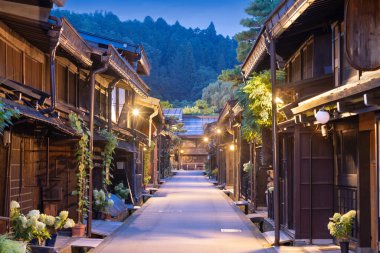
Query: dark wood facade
(320,49)
(39,149)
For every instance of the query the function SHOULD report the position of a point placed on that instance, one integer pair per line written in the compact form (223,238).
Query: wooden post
(273,67)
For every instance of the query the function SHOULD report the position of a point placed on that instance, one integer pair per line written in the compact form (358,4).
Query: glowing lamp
(205,139)
(218,131)
(232,147)
(181,151)
(322,116)
(135,112)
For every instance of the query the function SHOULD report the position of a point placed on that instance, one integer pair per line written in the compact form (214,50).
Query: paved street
(188,215)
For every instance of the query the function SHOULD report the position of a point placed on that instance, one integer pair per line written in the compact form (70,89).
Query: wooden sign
(362,34)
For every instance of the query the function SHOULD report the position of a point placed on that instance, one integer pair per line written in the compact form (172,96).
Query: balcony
(309,87)
(73,43)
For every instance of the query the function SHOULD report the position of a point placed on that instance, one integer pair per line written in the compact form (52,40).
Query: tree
(218,93)
(258,10)
(180,57)
(166,105)
(231,75)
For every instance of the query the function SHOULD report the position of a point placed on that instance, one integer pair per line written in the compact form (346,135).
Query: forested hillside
(184,61)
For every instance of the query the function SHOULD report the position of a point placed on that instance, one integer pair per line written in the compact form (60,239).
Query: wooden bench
(84,244)
(242,203)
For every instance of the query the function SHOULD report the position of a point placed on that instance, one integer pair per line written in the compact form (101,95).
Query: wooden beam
(338,94)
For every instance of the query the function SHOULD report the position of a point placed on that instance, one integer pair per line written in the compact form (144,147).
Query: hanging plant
(147,155)
(109,151)
(6,115)
(84,159)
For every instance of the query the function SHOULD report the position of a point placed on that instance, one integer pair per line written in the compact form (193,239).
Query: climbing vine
(256,97)
(147,156)
(84,160)
(109,151)
(6,115)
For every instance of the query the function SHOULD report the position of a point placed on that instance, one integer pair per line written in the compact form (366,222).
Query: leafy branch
(84,160)
(109,151)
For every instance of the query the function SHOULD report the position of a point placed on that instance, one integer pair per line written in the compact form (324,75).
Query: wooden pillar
(273,66)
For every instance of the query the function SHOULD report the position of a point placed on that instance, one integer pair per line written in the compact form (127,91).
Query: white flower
(40,226)
(32,221)
(69,223)
(110,202)
(50,220)
(97,202)
(24,221)
(33,213)
(63,215)
(14,205)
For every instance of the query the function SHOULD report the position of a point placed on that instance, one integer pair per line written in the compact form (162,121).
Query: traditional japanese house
(131,111)
(329,53)
(193,153)
(42,60)
(47,71)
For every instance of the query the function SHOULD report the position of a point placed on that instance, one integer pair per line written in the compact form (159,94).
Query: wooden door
(313,183)
(286,180)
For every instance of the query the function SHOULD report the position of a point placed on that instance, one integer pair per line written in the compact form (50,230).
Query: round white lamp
(322,116)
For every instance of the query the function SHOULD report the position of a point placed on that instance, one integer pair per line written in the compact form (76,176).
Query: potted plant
(20,230)
(84,160)
(7,245)
(54,224)
(102,201)
(122,192)
(340,227)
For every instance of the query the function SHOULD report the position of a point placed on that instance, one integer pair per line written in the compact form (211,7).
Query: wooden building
(329,53)
(47,70)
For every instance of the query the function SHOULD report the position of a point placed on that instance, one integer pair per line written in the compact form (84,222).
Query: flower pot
(344,246)
(51,242)
(78,230)
(42,249)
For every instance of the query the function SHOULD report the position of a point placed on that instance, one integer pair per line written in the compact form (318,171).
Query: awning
(32,113)
(334,95)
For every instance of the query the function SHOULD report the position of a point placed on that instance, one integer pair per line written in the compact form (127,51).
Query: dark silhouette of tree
(184,60)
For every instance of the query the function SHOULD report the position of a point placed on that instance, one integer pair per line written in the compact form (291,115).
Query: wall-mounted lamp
(205,139)
(218,131)
(135,112)
(232,147)
(181,151)
(322,116)
(279,100)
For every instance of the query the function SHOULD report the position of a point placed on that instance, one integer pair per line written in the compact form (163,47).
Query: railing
(192,166)
(120,65)
(72,42)
(346,200)
(270,203)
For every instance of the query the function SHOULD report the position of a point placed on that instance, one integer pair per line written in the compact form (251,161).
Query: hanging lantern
(322,116)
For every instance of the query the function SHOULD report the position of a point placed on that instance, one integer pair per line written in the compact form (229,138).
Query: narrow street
(187,215)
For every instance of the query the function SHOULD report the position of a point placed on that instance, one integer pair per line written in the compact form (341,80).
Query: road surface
(187,215)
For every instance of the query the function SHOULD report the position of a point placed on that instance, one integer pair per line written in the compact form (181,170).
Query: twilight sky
(225,14)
